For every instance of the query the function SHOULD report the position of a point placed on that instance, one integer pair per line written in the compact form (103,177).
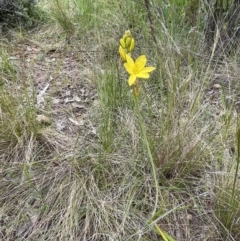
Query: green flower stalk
(147,146)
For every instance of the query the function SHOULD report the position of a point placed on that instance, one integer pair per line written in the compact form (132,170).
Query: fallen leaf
(78,106)
(77,123)
(40,98)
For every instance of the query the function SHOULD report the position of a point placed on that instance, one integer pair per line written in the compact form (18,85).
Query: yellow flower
(137,69)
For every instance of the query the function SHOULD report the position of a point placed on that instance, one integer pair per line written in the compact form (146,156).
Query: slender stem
(238,159)
(149,15)
(146,143)
(232,205)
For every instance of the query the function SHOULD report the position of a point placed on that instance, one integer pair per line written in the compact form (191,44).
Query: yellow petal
(147,69)
(132,79)
(142,75)
(141,62)
(128,67)
(130,61)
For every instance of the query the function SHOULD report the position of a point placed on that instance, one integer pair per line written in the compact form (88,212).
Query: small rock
(56,101)
(40,57)
(60,125)
(76,98)
(43,119)
(58,83)
(189,217)
(217,86)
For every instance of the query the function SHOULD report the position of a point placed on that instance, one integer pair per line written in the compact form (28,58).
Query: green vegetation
(22,13)
(85,156)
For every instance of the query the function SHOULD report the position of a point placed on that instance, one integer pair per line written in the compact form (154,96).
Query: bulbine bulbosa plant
(137,70)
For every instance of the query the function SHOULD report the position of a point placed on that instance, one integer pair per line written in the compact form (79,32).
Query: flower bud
(122,53)
(128,42)
(126,35)
(128,32)
(122,43)
(132,45)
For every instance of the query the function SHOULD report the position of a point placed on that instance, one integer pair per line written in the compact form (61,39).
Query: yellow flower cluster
(135,69)
(127,44)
